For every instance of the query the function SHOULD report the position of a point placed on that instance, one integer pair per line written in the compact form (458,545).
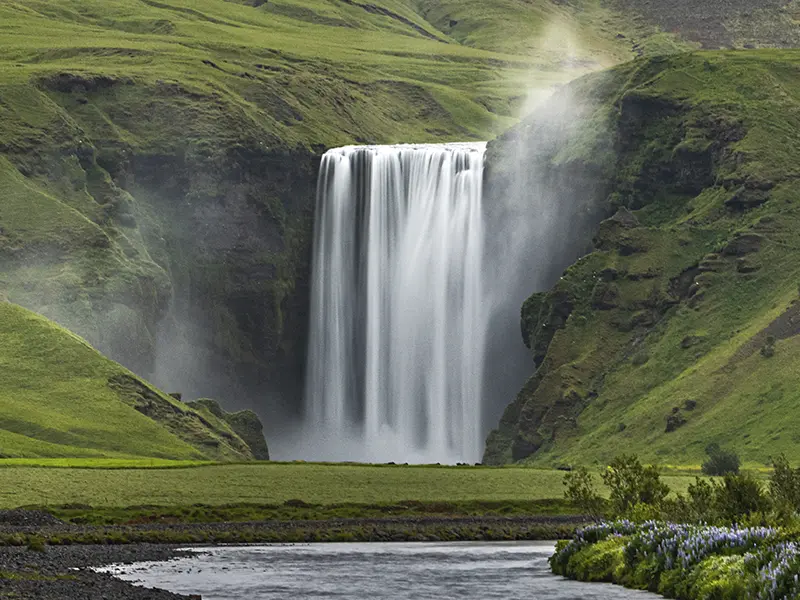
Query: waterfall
(398,318)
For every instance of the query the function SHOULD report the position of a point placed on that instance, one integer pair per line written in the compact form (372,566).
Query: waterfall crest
(398,318)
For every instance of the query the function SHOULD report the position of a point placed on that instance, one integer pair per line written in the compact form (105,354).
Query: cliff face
(173,239)
(664,336)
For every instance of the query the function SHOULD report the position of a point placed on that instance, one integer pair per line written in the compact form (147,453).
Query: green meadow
(275,483)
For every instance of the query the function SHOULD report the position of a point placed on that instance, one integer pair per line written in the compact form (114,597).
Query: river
(374,571)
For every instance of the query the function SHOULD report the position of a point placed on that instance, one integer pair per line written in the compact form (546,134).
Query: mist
(542,210)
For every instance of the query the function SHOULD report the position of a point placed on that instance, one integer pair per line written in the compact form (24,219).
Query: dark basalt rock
(744,244)
(523,447)
(543,315)
(605,296)
(745,266)
(675,421)
(624,218)
(245,424)
(745,198)
(691,340)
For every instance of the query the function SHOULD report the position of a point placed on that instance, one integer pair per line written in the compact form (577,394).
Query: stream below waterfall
(373,571)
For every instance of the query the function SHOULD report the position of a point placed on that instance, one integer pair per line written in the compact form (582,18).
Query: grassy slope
(694,133)
(277,483)
(313,72)
(55,400)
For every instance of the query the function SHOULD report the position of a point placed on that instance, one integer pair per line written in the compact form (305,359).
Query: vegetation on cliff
(158,160)
(679,328)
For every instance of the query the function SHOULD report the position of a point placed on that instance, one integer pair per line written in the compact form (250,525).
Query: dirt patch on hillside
(721,23)
(784,327)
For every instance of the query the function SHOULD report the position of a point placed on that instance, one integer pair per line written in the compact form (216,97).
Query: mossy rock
(245,424)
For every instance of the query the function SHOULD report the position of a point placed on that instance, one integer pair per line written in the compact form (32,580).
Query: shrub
(701,501)
(768,350)
(784,487)
(630,484)
(740,495)
(581,491)
(36,544)
(720,462)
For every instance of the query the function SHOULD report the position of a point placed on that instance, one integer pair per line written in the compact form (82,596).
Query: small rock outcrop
(244,423)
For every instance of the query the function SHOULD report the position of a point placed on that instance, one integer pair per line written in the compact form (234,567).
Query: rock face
(244,423)
(677,279)
(179,248)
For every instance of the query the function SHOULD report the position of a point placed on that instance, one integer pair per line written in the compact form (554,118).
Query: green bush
(720,462)
(630,484)
(581,491)
(739,496)
(784,487)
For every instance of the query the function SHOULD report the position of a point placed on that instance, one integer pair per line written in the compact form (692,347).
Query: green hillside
(680,328)
(158,159)
(59,397)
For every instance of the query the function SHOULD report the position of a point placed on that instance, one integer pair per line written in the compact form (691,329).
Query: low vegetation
(728,538)
(158,159)
(679,328)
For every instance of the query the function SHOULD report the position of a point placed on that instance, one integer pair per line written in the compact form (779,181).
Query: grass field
(276,483)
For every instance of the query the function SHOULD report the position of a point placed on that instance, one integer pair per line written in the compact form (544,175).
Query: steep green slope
(59,397)
(680,327)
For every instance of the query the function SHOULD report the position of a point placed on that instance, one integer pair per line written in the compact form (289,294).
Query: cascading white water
(398,318)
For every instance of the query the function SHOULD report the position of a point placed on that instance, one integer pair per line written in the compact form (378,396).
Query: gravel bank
(51,575)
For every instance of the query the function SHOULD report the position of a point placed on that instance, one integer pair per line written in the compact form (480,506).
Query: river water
(374,571)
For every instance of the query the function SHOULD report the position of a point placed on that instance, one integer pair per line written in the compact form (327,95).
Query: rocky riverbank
(64,572)
(44,558)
